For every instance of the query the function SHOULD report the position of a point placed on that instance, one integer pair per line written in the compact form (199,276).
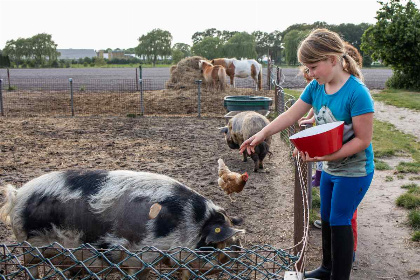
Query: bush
(400,80)
(55,64)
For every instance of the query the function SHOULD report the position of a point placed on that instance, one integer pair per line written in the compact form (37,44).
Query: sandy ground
(187,149)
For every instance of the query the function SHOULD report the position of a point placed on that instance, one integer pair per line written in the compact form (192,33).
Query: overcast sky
(95,24)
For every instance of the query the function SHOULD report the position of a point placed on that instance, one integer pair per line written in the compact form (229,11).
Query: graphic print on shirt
(323,116)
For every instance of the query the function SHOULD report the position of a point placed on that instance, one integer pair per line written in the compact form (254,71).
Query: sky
(102,24)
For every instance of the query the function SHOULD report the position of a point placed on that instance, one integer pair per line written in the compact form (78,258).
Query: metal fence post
(141,95)
(1,97)
(279,93)
(140,73)
(198,82)
(71,97)
(8,78)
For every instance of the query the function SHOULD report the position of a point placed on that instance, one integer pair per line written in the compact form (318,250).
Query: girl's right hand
(250,143)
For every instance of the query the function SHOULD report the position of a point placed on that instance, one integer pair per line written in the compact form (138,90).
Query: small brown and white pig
(240,128)
(109,208)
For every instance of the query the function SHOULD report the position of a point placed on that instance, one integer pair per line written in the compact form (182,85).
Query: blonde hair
(322,44)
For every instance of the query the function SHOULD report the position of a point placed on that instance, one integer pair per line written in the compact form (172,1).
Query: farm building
(76,53)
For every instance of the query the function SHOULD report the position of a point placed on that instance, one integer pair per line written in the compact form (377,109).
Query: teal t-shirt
(351,100)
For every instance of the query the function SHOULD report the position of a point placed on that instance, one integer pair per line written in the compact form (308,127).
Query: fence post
(8,78)
(140,72)
(1,97)
(71,97)
(141,95)
(198,82)
(269,73)
(279,96)
(137,84)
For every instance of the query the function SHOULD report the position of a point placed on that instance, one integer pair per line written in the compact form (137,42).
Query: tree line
(394,41)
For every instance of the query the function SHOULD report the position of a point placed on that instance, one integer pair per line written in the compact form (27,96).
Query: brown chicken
(230,181)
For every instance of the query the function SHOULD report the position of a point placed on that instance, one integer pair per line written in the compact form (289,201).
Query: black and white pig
(108,208)
(242,126)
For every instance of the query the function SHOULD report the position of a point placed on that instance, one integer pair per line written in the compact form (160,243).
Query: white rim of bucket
(319,129)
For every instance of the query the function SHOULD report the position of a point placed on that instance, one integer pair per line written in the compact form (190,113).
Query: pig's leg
(245,156)
(256,160)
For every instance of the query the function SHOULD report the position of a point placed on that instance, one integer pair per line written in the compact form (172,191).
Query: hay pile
(185,73)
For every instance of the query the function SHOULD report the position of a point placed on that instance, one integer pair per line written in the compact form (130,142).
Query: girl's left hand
(305,157)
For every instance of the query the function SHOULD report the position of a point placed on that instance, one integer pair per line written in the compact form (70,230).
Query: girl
(336,93)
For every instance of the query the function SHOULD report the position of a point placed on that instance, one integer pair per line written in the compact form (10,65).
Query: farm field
(374,77)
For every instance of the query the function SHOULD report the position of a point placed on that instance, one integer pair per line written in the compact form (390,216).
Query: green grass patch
(409,186)
(388,141)
(316,205)
(416,236)
(408,201)
(381,165)
(414,219)
(316,198)
(399,98)
(409,167)
(294,93)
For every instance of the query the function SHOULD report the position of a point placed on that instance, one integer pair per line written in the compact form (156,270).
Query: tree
(353,33)
(43,47)
(395,40)
(180,51)
(241,45)
(224,35)
(154,44)
(291,43)
(40,48)
(209,47)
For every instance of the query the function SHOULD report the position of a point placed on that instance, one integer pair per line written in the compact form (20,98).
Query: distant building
(76,53)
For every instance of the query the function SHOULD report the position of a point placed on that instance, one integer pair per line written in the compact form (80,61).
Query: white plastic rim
(319,129)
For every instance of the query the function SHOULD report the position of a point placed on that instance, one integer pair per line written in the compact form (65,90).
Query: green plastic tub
(247,103)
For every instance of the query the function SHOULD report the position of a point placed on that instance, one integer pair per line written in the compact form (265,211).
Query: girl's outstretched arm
(283,121)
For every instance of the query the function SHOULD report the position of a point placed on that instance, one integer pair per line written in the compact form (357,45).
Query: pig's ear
(223,129)
(221,233)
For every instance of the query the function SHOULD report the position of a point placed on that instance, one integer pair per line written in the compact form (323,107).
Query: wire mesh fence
(20,261)
(61,97)
(87,262)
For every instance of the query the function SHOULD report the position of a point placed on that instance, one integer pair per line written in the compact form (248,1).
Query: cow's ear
(219,233)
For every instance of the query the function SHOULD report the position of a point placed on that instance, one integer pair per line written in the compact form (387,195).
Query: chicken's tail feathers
(221,163)
(222,167)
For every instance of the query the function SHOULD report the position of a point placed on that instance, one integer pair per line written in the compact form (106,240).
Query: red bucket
(319,140)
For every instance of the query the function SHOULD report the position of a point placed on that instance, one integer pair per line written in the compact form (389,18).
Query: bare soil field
(187,149)
(374,78)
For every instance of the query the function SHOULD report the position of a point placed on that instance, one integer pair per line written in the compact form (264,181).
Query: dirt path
(404,119)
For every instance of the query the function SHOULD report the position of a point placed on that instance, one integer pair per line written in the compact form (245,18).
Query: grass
(411,200)
(388,141)
(399,98)
(316,205)
(381,165)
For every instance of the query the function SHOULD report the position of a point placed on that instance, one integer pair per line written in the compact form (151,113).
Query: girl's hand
(305,157)
(249,144)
